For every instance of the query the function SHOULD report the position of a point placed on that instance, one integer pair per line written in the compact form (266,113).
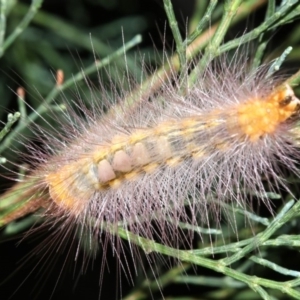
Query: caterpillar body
(150,162)
(176,156)
(99,178)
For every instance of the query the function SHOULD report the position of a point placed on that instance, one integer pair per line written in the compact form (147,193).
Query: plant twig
(33,9)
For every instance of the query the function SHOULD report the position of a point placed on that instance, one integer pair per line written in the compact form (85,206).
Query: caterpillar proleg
(175,170)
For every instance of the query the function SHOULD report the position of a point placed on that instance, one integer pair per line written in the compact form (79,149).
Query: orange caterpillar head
(257,116)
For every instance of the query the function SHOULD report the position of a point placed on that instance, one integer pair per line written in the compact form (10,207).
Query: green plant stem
(33,9)
(185,256)
(220,266)
(280,219)
(278,62)
(203,23)
(11,119)
(211,51)
(271,23)
(180,46)
(275,267)
(216,282)
(263,44)
(3,9)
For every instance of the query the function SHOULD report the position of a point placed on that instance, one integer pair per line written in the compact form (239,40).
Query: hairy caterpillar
(176,158)
(181,136)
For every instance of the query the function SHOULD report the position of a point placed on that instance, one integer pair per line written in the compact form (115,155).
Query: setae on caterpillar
(181,157)
(175,157)
(174,138)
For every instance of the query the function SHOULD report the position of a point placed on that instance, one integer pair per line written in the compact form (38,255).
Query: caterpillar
(188,138)
(171,158)
(175,158)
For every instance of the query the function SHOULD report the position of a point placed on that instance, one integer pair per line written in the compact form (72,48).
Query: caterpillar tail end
(22,199)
